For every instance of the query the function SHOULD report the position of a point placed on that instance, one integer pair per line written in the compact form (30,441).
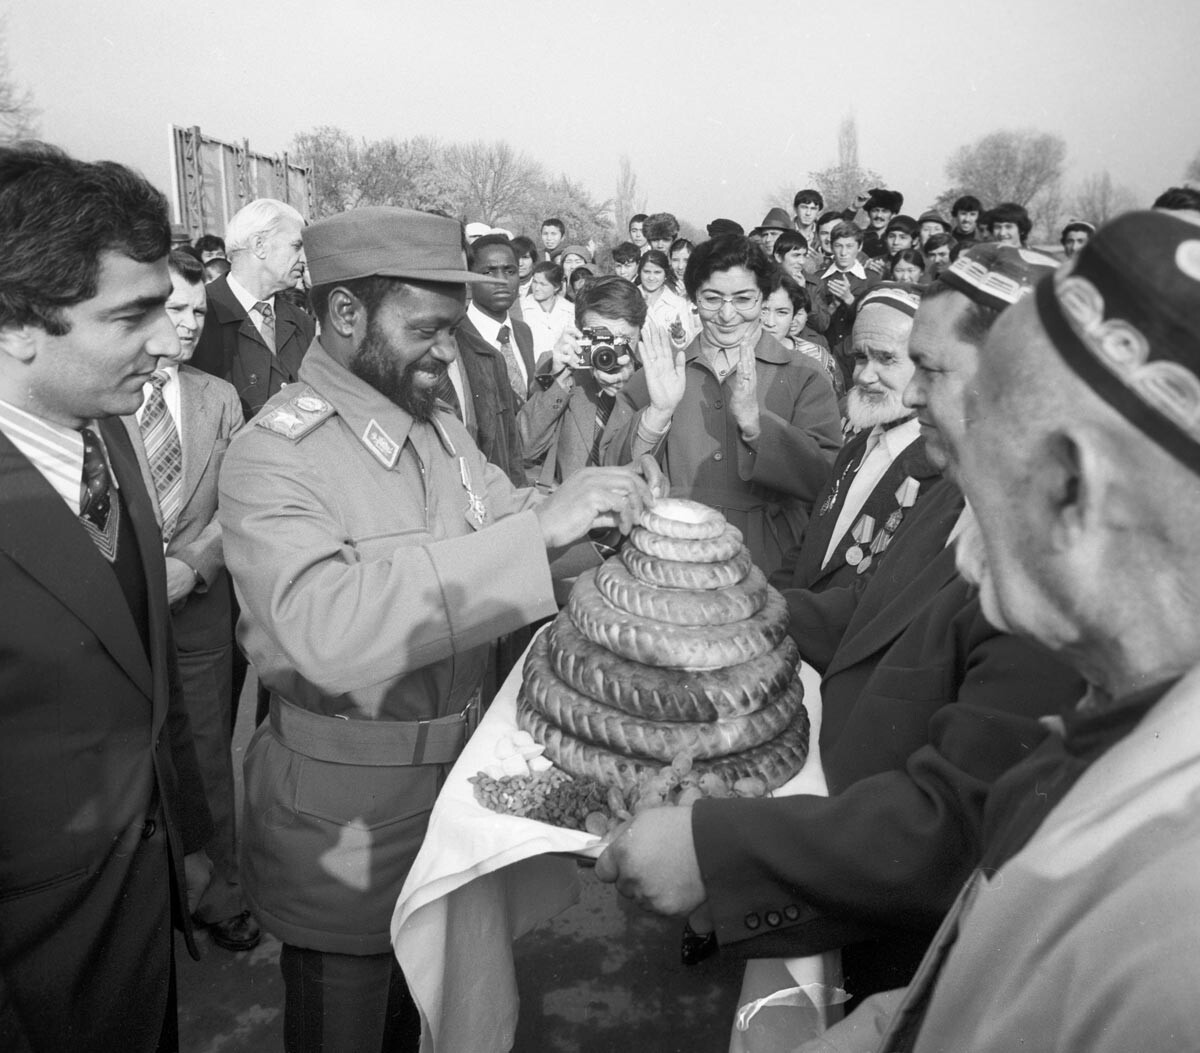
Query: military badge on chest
(476,513)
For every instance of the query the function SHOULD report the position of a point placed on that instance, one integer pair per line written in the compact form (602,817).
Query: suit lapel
(923,569)
(41,535)
(200,420)
(524,339)
(150,547)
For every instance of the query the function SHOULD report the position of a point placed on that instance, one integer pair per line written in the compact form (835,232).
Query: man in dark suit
(180,434)
(254,338)
(924,706)
(496,358)
(102,800)
(882,472)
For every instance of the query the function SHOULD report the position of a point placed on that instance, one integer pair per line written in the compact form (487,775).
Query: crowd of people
(382,445)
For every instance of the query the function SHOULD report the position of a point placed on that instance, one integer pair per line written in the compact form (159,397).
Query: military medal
(310,404)
(476,509)
(906,493)
(862,533)
(894,521)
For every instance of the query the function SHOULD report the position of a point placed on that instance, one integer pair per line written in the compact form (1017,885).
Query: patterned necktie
(263,307)
(96,511)
(447,394)
(604,406)
(515,378)
(164,454)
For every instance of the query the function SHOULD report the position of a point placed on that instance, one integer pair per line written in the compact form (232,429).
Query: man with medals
(924,705)
(880,472)
(375,554)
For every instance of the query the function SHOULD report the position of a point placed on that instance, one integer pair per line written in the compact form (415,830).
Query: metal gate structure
(212,179)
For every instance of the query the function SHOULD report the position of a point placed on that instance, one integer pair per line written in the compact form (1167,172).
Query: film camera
(601,352)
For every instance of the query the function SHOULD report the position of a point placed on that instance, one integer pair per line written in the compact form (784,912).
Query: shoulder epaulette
(298,416)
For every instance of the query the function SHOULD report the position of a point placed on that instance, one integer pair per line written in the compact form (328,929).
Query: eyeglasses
(742,302)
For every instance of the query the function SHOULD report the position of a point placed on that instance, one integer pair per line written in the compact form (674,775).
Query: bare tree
(841,183)
(1098,199)
(492,181)
(1008,166)
(18,115)
(628,202)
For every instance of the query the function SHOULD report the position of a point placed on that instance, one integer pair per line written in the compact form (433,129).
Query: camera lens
(604,358)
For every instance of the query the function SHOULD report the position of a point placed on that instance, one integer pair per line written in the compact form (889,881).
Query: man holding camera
(564,417)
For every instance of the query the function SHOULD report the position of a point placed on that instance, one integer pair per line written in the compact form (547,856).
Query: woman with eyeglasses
(734,421)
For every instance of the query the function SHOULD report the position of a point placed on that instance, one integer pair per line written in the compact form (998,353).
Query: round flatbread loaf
(668,694)
(680,647)
(602,725)
(705,550)
(774,762)
(676,574)
(681,606)
(677,517)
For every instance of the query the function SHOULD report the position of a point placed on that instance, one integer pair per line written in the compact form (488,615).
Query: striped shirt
(54,450)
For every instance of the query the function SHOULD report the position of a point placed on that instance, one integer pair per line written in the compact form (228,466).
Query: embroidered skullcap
(997,276)
(1124,313)
(898,297)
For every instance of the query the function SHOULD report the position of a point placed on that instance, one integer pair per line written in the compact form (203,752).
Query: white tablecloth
(483,879)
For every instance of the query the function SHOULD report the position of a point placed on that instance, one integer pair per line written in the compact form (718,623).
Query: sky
(719,105)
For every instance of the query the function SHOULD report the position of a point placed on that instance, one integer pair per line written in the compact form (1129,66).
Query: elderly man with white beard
(1080,456)
(924,706)
(880,473)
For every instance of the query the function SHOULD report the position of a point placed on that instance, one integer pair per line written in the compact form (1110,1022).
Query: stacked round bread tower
(676,645)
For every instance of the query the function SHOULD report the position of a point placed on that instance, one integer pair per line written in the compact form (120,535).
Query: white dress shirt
(54,450)
(883,447)
(858,270)
(248,303)
(489,329)
(546,326)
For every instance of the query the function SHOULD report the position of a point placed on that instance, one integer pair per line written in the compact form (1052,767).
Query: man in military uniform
(375,554)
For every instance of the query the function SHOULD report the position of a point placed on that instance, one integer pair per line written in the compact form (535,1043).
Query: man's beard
(865,411)
(375,363)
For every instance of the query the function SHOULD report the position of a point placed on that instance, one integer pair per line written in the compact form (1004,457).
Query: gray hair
(263,216)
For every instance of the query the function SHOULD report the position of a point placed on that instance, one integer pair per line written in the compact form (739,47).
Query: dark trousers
(346,1003)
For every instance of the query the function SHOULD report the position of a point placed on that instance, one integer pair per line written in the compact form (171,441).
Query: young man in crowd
(661,229)
(1009,224)
(966,212)
(807,206)
(554,231)
(1074,236)
(880,206)
(625,261)
(637,232)
(839,287)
